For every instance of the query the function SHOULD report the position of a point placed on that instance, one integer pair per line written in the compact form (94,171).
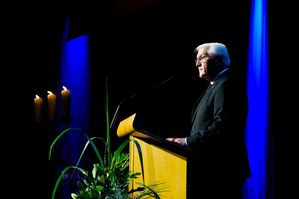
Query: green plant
(110,176)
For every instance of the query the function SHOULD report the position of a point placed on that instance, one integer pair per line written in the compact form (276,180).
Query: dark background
(137,46)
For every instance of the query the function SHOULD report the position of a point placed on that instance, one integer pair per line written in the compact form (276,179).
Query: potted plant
(109,177)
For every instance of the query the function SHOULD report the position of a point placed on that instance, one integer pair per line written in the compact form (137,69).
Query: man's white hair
(216,49)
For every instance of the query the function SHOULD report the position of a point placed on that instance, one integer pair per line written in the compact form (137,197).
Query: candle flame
(36,96)
(64,88)
(49,92)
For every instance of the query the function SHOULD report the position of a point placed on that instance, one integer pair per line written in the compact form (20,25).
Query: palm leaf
(107,124)
(151,190)
(84,149)
(89,141)
(59,179)
(140,158)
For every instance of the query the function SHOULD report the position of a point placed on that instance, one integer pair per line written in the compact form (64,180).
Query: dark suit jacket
(217,133)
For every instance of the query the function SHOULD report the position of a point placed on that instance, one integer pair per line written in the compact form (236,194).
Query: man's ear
(217,62)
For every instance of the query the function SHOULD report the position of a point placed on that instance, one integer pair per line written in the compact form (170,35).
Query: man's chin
(203,77)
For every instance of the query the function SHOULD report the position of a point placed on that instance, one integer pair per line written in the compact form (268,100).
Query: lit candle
(66,104)
(51,105)
(38,102)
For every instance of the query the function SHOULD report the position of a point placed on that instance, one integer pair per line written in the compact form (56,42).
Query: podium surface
(163,162)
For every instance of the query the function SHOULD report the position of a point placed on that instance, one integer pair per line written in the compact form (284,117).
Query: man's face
(201,63)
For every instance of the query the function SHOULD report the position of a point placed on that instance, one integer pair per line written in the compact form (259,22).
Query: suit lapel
(199,101)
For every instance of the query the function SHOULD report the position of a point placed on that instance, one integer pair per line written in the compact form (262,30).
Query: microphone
(117,109)
(164,81)
(116,113)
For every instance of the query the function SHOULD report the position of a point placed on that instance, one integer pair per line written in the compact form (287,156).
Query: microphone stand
(115,116)
(116,113)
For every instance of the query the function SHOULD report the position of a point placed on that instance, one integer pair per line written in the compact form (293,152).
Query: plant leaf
(140,158)
(65,170)
(90,141)
(121,147)
(107,125)
(151,190)
(57,138)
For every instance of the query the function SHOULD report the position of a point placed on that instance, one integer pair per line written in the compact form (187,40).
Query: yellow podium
(163,161)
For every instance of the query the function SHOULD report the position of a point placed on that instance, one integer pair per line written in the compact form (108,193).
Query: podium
(163,161)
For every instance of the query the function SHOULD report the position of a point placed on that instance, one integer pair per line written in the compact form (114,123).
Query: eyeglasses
(201,58)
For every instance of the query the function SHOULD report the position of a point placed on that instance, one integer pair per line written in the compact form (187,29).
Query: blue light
(257,89)
(74,74)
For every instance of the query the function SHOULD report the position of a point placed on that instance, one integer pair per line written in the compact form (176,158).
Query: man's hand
(181,141)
